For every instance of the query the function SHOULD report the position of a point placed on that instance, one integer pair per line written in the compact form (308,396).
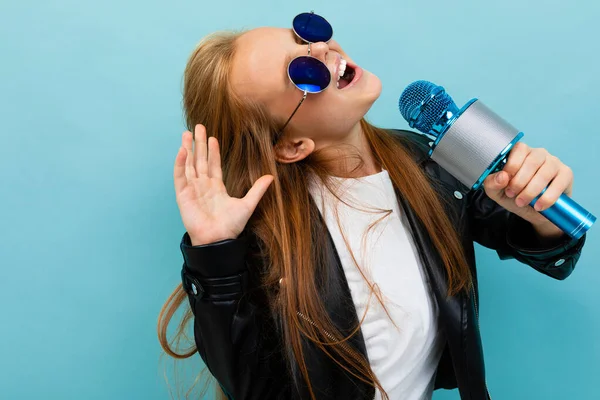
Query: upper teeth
(341,70)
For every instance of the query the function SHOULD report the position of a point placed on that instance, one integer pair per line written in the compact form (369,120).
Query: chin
(371,89)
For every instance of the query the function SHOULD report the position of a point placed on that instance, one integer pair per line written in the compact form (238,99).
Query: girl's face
(259,73)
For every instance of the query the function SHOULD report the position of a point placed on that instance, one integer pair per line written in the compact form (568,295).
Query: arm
(234,333)
(513,237)
(235,336)
(494,227)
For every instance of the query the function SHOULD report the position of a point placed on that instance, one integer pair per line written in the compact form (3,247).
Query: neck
(357,139)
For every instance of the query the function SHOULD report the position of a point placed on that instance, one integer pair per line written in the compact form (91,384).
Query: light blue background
(90,121)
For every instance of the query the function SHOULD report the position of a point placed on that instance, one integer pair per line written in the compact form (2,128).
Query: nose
(319,50)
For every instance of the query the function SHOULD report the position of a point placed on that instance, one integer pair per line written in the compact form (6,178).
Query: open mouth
(346,74)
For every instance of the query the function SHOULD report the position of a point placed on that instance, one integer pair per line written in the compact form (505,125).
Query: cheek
(329,111)
(282,106)
(327,103)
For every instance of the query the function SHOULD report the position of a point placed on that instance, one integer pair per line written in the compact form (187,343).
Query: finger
(190,171)
(179,170)
(516,157)
(201,150)
(533,161)
(536,185)
(214,159)
(257,191)
(495,183)
(559,185)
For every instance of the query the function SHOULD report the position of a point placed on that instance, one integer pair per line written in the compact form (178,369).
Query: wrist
(547,231)
(202,240)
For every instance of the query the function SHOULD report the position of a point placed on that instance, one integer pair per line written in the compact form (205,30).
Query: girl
(326,258)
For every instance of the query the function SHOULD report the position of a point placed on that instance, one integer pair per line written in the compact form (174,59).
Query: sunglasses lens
(312,27)
(310,74)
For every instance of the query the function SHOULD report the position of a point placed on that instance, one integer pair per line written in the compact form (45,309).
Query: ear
(292,150)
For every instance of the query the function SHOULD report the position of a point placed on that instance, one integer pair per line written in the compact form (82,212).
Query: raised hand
(208,213)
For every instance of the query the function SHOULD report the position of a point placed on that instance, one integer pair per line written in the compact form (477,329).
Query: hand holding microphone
(479,148)
(525,175)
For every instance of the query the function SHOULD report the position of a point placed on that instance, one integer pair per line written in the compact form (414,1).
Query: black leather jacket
(238,340)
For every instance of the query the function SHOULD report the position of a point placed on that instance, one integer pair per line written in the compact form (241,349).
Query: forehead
(260,59)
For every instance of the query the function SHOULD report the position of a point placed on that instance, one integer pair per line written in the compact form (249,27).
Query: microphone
(473,142)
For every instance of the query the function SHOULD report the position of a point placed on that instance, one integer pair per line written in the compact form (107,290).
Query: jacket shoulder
(417,143)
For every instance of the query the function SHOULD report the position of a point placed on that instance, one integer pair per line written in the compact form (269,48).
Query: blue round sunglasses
(307,73)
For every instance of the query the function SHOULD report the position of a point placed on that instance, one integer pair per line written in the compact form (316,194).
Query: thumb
(495,183)
(257,191)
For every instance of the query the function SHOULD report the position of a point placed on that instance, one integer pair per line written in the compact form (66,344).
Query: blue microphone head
(423,103)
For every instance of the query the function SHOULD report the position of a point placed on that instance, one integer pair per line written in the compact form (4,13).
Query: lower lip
(357,75)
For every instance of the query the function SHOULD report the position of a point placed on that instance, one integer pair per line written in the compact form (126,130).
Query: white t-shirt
(404,356)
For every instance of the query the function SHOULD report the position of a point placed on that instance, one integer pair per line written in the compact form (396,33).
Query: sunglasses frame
(306,92)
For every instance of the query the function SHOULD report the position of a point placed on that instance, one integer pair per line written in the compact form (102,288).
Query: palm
(205,203)
(207,211)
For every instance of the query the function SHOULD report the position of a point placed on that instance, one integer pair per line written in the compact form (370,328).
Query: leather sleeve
(512,237)
(230,328)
